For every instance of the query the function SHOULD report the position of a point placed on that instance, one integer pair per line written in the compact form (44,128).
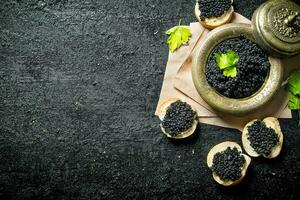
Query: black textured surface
(79,82)
(252,68)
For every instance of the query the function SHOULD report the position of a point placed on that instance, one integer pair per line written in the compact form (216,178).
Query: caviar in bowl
(258,76)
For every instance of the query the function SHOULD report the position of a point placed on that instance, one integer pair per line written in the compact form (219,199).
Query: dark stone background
(79,82)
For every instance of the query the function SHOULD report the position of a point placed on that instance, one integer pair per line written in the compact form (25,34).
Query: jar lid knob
(289,21)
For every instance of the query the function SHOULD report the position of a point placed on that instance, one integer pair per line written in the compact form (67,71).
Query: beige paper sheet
(178,83)
(175,61)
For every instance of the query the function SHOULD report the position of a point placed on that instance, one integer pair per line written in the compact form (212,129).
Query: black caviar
(252,69)
(228,164)
(213,8)
(179,118)
(262,139)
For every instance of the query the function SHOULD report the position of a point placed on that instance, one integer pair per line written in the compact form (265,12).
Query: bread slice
(162,112)
(270,122)
(213,22)
(222,147)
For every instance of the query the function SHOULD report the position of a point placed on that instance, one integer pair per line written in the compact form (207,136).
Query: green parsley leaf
(228,62)
(178,35)
(294,88)
(229,59)
(230,72)
(294,83)
(294,102)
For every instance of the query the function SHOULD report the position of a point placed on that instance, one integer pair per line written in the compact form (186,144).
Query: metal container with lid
(276,25)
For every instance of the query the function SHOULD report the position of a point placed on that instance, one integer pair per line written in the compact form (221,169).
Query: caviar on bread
(214,13)
(228,164)
(263,138)
(178,119)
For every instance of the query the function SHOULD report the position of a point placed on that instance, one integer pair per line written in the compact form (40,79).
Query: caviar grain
(228,164)
(179,118)
(213,8)
(252,69)
(262,139)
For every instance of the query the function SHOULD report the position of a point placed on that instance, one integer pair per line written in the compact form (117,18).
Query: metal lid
(277,27)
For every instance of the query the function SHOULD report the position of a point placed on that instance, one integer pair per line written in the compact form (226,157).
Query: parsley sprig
(228,62)
(293,87)
(178,35)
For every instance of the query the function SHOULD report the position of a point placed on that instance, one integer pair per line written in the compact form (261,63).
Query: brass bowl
(238,107)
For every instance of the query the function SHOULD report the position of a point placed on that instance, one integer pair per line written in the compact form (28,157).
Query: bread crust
(271,122)
(222,147)
(162,112)
(213,22)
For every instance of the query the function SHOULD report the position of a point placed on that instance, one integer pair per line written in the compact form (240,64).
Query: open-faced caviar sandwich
(228,164)
(237,68)
(178,119)
(263,138)
(213,13)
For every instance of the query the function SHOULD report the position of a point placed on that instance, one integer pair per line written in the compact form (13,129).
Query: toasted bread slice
(270,122)
(162,112)
(222,147)
(213,22)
